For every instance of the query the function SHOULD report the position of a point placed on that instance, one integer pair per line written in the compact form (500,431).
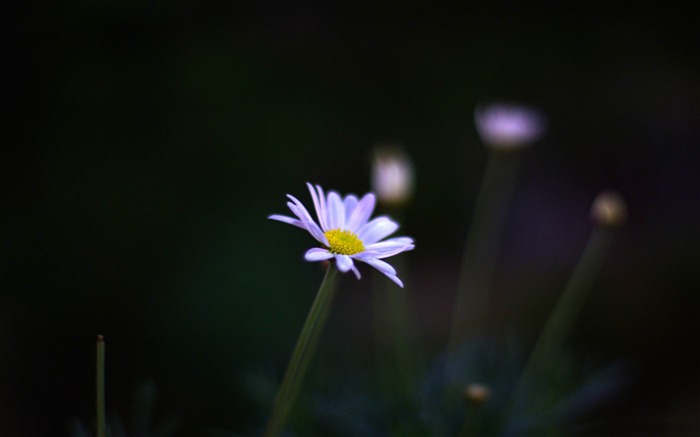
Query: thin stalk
(468,424)
(563,316)
(481,248)
(303,352)
(100,383)
(395,353)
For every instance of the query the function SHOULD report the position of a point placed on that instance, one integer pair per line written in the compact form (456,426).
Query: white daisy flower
(503,126)
(346,232)
(392,175)
(609,209)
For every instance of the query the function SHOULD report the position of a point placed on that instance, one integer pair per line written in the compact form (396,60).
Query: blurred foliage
(350,402)
(142,419)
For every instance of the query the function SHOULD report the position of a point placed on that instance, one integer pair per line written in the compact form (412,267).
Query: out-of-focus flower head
(476,393)
(392,175)
(507,126)
(346,232)
(609,209)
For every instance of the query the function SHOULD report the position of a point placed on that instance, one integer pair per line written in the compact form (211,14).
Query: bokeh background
(145,142)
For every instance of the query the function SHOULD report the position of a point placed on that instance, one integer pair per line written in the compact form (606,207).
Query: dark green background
(145,143)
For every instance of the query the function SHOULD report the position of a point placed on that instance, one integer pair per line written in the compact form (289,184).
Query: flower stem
(397,359)
(100,380)
(468,424)
(481,248)
(303,352)
(544,354)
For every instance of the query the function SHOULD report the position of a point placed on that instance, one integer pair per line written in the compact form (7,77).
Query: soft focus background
(144,144)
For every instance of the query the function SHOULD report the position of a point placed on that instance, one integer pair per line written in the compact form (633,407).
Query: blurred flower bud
(392,175)
(476,393)
(609,209)
(508,127)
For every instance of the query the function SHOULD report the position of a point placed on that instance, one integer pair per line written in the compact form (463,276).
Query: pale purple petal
(344,263)
(297,212)
(387,248)
(336,211)
(319,204)
(356,272)
(391,242)
(314,198)
(285,219)
(361,213)
(317,254)
(306,222)
(397,251)
(350,202)
(377,229)
(300,210)
(398,240)
(323,214)
(387,254)
(380,265)
(386,269)
(396,280)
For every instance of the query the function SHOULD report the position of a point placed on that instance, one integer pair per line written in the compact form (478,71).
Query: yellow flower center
(344,242)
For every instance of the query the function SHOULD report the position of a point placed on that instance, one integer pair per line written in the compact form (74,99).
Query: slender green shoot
(397,357)
(302,354)
(543,358)
(481,248)
(101,421)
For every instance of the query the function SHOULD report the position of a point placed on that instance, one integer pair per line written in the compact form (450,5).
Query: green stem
(481,248)
(303,352)
(468,423)
(101,422)
(561,320)
(396,355)
(396,352)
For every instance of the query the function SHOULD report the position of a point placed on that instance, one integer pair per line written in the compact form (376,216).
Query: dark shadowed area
(145,144)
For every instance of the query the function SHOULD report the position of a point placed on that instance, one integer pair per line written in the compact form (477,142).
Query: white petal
(297,212)
(380,265)
(385,268)
(319,204)
(356,272)
(344,263)
(285,219)
(388,248)
(323,212)
(396,280)
(336,211)
(397,240)
(317,254)
(377,229)
(300,210)
(350,202)
(297,207)
(361,213)
(390,243)
(397,251)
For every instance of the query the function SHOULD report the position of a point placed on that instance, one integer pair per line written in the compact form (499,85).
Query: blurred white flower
(392,175)
(346,232)
(508,127)
(609,209)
